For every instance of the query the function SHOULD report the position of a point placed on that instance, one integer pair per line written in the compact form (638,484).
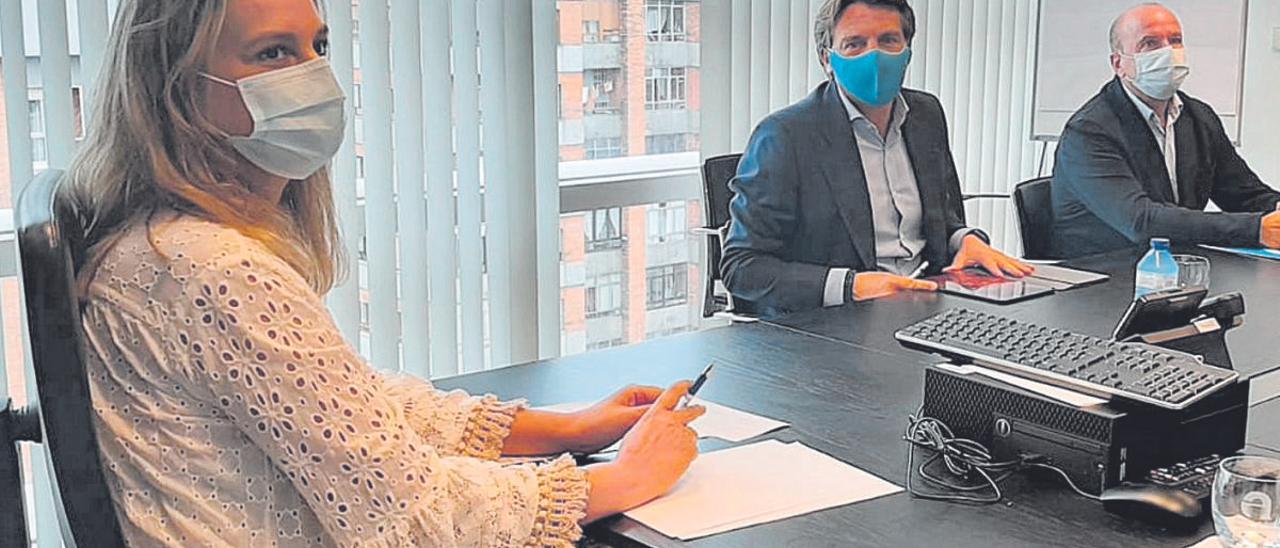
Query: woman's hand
(604,423)
(661,446)
(654,455)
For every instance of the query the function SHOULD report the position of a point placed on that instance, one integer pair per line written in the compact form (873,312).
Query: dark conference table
(846,387)
(1092,310)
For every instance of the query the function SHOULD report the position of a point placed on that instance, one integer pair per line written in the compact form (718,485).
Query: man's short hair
(824,23)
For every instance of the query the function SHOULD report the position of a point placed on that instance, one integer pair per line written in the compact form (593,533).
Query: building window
(668,332)
(603,147)
(590,31)
(604,295)
(610,343)
(604,229)
(666,144)
(35,120)
(668,286)
(355,39)
(604,89)
(666,223)
(77,112)
(665,88)
(35,116)
(664,20)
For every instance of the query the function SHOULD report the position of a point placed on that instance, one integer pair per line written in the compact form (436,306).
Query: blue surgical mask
(873,78)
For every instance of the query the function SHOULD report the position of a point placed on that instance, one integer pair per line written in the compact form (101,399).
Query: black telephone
(1161,310)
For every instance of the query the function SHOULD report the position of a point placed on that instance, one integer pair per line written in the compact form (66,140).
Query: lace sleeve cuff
(489,427)
(562,504)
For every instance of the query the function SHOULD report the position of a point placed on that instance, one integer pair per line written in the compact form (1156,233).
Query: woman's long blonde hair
(150,148)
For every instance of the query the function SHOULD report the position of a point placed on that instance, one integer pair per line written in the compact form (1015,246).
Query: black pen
(697,384)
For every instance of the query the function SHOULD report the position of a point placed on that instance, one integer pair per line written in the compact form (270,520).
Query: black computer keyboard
(1194,477)
(1136,371)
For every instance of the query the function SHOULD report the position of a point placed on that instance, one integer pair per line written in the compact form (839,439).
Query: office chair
(16,425)
(717,172)
(1033,200)
(49,247)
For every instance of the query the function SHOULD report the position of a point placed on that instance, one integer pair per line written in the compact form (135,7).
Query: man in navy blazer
(846,194)
(1141,159)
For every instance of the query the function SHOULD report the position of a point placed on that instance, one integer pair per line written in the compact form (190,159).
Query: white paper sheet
(720,421)
(1261,253)
(753,484)
(1069,397)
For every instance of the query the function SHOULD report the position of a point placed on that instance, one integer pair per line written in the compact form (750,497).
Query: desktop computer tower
(1098,446)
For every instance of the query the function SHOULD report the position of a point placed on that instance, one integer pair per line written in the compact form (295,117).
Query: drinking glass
(1193,270)
(1246,502)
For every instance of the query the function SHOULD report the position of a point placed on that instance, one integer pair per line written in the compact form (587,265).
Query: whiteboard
(1073,47)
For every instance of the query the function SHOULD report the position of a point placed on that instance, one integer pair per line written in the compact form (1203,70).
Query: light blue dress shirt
(896,211)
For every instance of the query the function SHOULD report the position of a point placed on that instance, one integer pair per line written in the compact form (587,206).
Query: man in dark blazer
(846,194)
(1141,159)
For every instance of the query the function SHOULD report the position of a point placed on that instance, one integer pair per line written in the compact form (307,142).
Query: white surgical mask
(298,118)
(1160,73)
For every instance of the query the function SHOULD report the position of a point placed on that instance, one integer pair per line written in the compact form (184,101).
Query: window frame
(590,31)
(602,217)
(666,88)
(665,223)
(603,148)
(595,85)
(671,18)
(670,284)
(77,114)
(38,130)
(595,286)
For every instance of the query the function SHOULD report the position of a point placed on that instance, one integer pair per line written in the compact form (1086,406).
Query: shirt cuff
(563,489)
(489,427)
(957,238)
(833,291)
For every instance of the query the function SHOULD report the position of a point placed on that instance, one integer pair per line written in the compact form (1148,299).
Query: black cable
(965,459)
(1064,475)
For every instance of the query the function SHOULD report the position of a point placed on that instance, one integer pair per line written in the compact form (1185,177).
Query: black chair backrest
(49,247)
(1034,202)
(717,171)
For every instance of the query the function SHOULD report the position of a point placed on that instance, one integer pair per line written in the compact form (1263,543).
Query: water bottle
(1156,271)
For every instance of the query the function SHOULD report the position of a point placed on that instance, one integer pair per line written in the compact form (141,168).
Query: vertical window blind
(459,210)
(975,55)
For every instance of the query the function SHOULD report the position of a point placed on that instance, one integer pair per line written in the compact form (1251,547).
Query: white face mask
(1160,73)
(298,118)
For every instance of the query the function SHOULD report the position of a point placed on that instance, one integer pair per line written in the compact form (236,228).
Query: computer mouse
(1153,503)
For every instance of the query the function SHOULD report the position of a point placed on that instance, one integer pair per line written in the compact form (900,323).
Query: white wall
(1259,136)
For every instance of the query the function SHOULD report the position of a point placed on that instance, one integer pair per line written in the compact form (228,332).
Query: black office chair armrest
(16,424)
(967,197)
(709,231)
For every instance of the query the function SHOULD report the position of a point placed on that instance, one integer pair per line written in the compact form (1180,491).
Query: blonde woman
(229,410)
